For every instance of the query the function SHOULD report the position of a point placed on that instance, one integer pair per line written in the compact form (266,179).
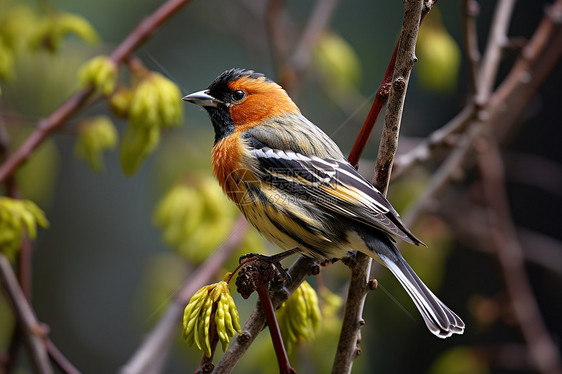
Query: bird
(293,184)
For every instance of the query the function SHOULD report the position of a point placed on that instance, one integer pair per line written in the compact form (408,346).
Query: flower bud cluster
(299,316)
(95,135)
(212,304)
(17,217)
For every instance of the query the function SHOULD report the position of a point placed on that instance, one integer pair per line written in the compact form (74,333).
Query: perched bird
(292,182)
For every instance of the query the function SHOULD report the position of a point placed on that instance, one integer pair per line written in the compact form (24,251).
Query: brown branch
(32,331)
(496,41)
(512,96)
(269,312)
(380,100)
(256,322)
(79,100)
(405,58)
(317,23)
(319,19)
(276,34)
(471,10)
(439,139)
(24,276)
(504,241)
(151,355)
(532,68)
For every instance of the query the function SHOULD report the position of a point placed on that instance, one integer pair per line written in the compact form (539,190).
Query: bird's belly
(289,222)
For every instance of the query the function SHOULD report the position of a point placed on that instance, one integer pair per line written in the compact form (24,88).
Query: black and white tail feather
(439,319)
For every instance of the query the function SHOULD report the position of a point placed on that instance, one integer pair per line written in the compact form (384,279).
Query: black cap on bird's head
(219,92)
(217,99)
(238,95)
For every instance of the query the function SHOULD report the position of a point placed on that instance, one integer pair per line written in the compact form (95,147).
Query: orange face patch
(263,100)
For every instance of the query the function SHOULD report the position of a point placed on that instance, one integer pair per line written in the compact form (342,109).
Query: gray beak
(202,98)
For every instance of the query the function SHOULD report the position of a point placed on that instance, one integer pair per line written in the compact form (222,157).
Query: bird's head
(240,99)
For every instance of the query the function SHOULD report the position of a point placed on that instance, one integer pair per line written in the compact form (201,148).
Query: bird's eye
(238,95)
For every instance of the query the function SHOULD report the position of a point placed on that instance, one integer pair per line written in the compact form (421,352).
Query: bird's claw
(273,260)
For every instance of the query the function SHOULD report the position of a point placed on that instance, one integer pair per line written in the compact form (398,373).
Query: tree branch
(491,60)
(380,100)
(269,312)
(437,140)
(32,331)
(440,179)
(405,58)
(471,10)
(79,100)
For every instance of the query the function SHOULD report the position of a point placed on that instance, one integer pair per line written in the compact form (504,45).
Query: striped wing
(332,184)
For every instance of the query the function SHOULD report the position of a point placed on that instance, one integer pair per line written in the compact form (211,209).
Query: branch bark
(496,41)
(79,100)
(347,347)
(32,331)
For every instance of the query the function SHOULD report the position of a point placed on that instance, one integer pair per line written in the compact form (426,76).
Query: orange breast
(229,168)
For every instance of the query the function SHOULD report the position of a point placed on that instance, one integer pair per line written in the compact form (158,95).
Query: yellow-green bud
(54,27)
(15,217)
(17,25)
(95,135)
(120,101)
(6,61)
(101,72)
(198,312)
(136,145)
(299,316)
(155,103)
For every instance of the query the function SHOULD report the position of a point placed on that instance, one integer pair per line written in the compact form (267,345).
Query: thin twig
(491,60)
(79,100)
(504,240)
(319,19)
(59,359)
(276,34)
(405,58)
(301,57)
(532,68)
(269,312)
(470,12)
(32,330)
(150,356)
(380,100)
(504,107)
(439,139)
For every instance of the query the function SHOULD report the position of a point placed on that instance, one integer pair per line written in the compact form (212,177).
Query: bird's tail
(440,320)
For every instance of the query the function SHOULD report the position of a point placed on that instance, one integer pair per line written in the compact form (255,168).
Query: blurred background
(109,263)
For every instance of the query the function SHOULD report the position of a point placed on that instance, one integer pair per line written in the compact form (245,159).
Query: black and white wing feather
(332,184)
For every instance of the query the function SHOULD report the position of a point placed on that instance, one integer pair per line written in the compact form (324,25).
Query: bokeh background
(103,272)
